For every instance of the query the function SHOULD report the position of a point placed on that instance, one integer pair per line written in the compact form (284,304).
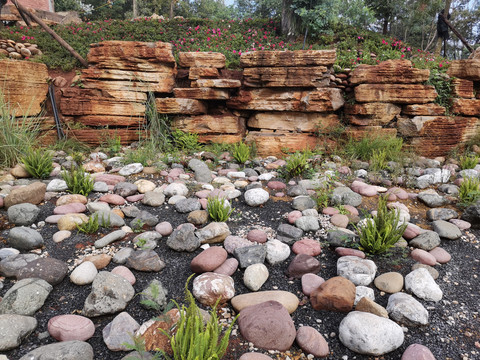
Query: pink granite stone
(307,246)
(293,216)
(311,282)
(257,235)
(351,209)
(209,259)
(164,228)
(330,211)
(340,220)
(124,272)
(71,327)
(411,232)
(417,352)
(343,251)
(72,208)
(276,185)
(135,198)
(228,267)
(110,179)
(441,255)
(461,224)
(423,257)
(113,199)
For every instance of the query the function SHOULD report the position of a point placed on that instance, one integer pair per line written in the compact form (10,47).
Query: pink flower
(208,38)
(440,65)
(234,51)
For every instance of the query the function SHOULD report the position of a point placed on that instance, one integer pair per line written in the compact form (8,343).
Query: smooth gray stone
(345,196)
(145,260)
(24,238)
(187,205)
(202,172)
(250,255)
(125,189)
(15,328)
(288,234)
(405,309)
(109,238)
(441,214)
(23,214)
(65,350)
(109,219)
(446,229)
(25,297)
(303,202)
(10,266)
(427,241)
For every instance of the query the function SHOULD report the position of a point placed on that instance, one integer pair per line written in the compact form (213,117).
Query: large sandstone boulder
(288,58)
(33,194)
(395,93)
(465,69)
(389,72)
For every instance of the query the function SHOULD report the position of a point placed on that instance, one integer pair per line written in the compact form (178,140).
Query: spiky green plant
(38,163)
(195,340)
(468,161)
(381,231)
(469,191)
(241,152)
(219,209)
(89,227)
(78,181)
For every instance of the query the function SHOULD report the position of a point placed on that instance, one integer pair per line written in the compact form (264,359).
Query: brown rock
(219,138)
(286,76)
(462,88)
(465,69)
(312,342)
(154,338)
(287,299)
(288,58)
(201,93)
(203,73)
(217,83)
(131,55)
(24,84)
(267,325)
(100,261)
(294,121)
(201,59)
(395,93)
(210,124)
(389,72)
(423,109)
(60,81)
(72,198)
(209,259)
(19,171)
(303,264)
(469,107)
(368,305)
(371,113)
(335,294)
(33,194)
(319,100)
(180,106)
(274,143)
(101,106)
(70,221)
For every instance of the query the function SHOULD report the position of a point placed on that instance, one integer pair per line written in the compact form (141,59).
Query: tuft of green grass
(381,231)
(468,161)
(78,181)
(297,164)
(195,340)
(365,148)
(89,227)
(469,191)
(185,141)
(219,209)
(38,163)
(241,152)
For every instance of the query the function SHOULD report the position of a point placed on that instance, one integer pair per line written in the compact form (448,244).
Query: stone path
(247,261)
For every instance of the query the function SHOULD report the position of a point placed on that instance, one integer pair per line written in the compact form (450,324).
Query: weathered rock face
(395,93)
(180,106)
(465,69)
(469,107)
(288,58)
(389,72)
(423,109)
(286,76)
(24,85)
(208,124)
(293,121)
(462,88)
(371,113)
(274,142)
(201,59)
(320,100)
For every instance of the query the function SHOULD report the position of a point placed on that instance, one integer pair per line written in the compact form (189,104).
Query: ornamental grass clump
(89,227)
(78,181)
(468,161)
(219,209)
(38,163)
(241,152)
(469,191)
(381,231)
(195,340)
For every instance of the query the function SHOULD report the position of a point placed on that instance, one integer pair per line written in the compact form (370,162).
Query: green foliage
(318,17)
(219,209)
(17,135)
(378,160)
(151,293)
(241,152)
(38,163)
(156,134)
(89,227)
(468,161)
(323,195)
(195,340)
(443,85)
(382,231)
(137,225)
(144,154)
(70,145)
(111,144)
(469,190)
(366,147)
(78,181)
(297,164)
(185,141)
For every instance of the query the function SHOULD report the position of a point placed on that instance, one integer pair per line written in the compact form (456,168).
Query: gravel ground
(453,331)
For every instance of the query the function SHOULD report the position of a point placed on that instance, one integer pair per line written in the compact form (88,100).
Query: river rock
(25,297)
(23,214)
(255,276)
(24,238)
(312,342)
(277,251)
(417,352)
(184,239)
(359,271)
(209,287)
(49,269)
(33,194)
(421,284)
(404,309)
(303,264)
(390,282)
(15,328)
(446,230)
(209,259)
(213,233)
(287,299)
(84,273)
(256,197)
(67,350)
(71,327)
(119,332)
(335,294)
(145,260)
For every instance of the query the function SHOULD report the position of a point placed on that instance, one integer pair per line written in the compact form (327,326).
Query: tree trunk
(288,20)
(172,5)
(385,26)
(438,46)
(135,12)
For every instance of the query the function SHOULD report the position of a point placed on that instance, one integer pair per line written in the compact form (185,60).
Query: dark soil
(453,332)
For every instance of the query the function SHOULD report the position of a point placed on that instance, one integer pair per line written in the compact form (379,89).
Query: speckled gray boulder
(25,297)
(24,238)
(13,329)
(65,350)
(426,241)
(345,196)
(256,197)
(184,239)
(303,202)
(202,172)
(404,309)
(187,205)
(357,270)
(420,283)
(446,229)
(23,214)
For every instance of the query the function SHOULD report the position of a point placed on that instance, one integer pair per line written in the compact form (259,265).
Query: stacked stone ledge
(287,98)
(114,89)
(199,99)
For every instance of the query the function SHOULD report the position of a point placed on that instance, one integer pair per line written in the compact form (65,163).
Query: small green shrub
(364,148)
(38,163)
(111,144)
(323,195)
(219,209)
(469,190)
(381,231)
(443,85)
(137,225)
(468,161)
(185,141)
(378,160)
(297,163)
(241,152)
(195,340)
(89,227)
(78,181)
(145,155)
